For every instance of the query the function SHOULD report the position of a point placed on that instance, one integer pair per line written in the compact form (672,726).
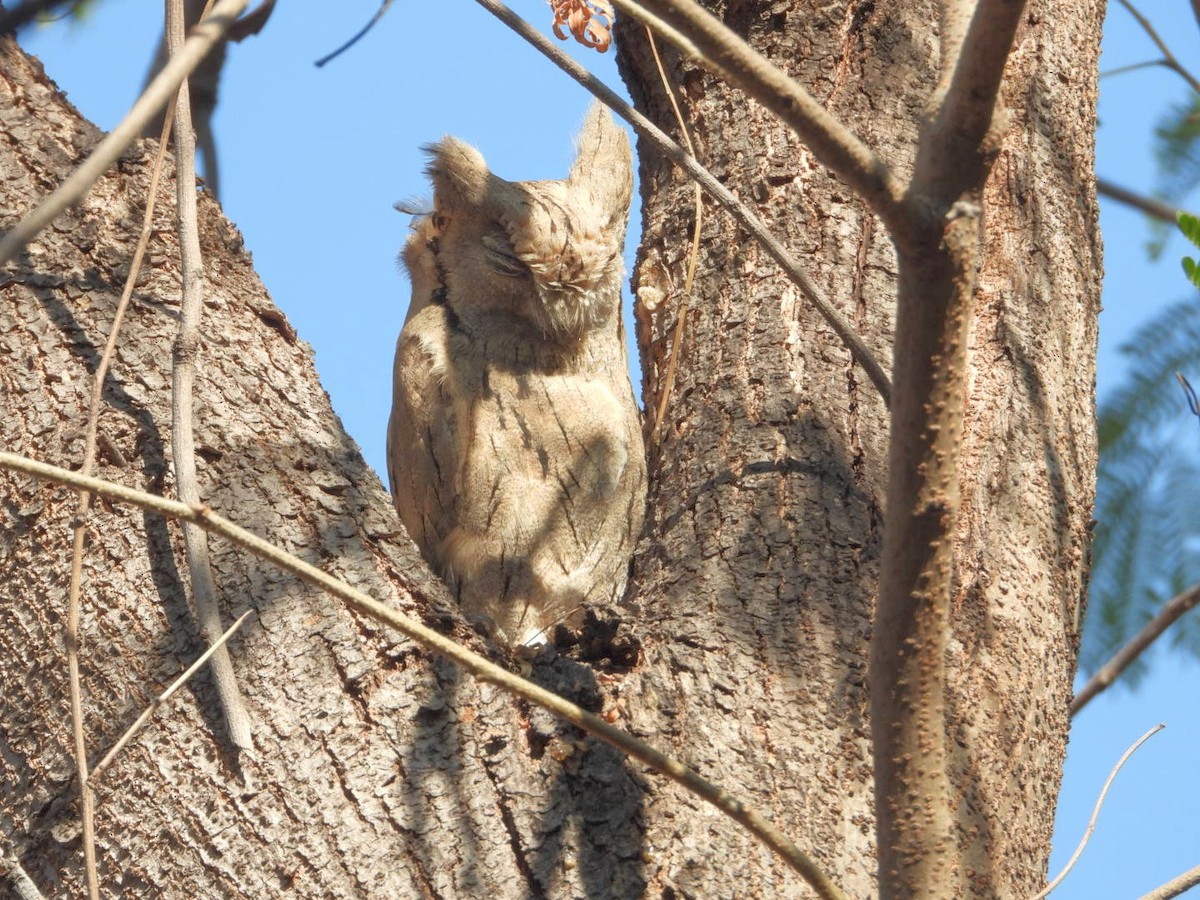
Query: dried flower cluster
(590,21)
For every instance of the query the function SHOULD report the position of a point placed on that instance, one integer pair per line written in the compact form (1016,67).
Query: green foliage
(1190,226)
(1147,540)
(77,10)
(1177,151)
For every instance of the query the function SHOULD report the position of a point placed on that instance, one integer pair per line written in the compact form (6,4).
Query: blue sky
(313,159)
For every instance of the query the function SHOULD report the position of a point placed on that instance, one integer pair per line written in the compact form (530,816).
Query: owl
(515,449)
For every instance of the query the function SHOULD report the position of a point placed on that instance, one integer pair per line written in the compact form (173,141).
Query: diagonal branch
(481,668)
(157,94)
(1169,59)
(688,163)
(698,33)
(1164,212)
(1178,885)
(132,731)
(1171,612)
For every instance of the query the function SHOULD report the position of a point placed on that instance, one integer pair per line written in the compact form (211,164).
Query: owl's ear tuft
(459,173)
(603,165)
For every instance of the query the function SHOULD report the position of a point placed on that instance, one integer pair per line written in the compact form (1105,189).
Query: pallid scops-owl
(515,446)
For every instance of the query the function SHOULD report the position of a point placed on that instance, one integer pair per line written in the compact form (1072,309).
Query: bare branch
(1091,825)
(1151,207)
(71,638)
(157,94)
(183,442)
(1169,59)
(1135,67)
(954,144)
(1175,886)
(481,668)
(157,703)
(742,213)
(681,308)
(1171,612)
(698,33)
(938,248)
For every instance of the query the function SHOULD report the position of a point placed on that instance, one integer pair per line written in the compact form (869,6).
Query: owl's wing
(422,450)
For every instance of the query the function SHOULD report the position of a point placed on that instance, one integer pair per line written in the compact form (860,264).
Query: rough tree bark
(757,588)
(382,773)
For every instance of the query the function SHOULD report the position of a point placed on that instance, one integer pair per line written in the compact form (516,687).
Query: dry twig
(1091,825)
(1175,886)
(183,372)
(685,296)
(157,703)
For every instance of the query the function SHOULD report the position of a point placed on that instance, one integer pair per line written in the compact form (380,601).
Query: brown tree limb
(1171,612)
(957,142)
(481,668)
(1164,212)
(698,33)
(919,821)
(157,94)
(183,442)
(687,163)
(1175,886)
(1091,825)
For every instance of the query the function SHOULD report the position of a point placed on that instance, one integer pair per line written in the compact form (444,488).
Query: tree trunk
(756,591)
(380,772)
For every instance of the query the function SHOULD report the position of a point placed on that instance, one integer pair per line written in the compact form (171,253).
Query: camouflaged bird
(515,446)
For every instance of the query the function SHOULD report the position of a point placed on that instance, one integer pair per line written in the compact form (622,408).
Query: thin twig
(1151,207)
(157,94)
(1091,825)
(1171,612)
(71,638)
(698,33)
(379,13)
(685,296)
(742,213)
(183,371)
(1175,886)
(1169,59)
(157,703)
(1134,67)
(477,665)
